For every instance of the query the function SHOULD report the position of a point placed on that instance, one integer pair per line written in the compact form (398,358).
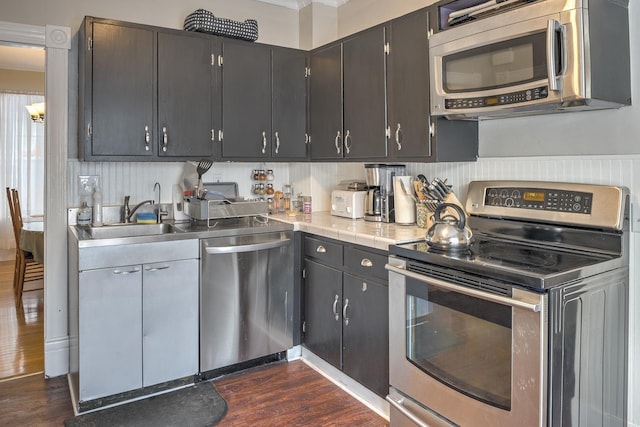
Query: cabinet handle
(277,142)
(338,142)
(344,312)
(398,135)
(321,249)
(264,142)
(147,138)
(165,139)
(364,286)
(335,308)
(366,262)
(432,134)
(157,268)
(135,270)
(347,146)
(307,138)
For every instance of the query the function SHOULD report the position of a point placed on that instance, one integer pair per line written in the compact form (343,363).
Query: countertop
(377,235)
(372,234)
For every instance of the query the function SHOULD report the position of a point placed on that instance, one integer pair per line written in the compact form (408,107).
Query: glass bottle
(270,176)
(270,189)
(262,176)
(256,175)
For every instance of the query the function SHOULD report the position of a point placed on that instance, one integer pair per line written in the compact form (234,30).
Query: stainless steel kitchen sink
(116,231)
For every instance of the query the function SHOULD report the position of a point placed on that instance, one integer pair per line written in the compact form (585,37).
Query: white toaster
(346,203)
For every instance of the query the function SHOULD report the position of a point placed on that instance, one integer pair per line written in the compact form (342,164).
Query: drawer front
(365,264)
(137,253)
(328,253)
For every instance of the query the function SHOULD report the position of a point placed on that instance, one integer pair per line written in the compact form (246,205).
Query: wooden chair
(26,268)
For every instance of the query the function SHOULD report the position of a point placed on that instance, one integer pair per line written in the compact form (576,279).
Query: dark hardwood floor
(281,394)
(290,394)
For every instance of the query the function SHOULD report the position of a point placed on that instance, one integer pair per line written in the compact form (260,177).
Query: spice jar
(306,204)
(270,189)
(256,175)
(262,176)
(270,176)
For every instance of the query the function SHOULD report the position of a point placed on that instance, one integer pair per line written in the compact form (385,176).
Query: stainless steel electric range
(528,325)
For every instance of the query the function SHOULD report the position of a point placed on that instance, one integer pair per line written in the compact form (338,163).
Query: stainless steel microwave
(545,56)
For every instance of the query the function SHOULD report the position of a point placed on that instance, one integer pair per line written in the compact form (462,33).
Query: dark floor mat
(199,405)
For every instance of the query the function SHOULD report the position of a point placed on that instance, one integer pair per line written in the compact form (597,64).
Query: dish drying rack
(210,210)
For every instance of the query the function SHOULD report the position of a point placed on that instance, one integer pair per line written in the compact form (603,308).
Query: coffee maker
(379,205)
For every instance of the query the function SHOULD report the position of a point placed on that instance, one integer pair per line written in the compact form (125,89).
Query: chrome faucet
(128,213)
(157,185)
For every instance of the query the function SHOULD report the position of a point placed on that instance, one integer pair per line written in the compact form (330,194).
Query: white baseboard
(56,357)
(348,384)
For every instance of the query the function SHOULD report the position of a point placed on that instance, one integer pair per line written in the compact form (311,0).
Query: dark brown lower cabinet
(346,310)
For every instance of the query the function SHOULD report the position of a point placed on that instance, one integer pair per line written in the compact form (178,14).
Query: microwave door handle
(553,27)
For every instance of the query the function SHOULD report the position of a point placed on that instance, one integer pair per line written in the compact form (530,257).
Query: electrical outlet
(87,183)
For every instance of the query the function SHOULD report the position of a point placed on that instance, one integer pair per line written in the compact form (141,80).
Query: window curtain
(21,161)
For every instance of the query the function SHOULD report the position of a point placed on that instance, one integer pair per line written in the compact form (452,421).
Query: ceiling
(21,58)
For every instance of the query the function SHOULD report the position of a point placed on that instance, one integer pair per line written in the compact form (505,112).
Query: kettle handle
(462,222)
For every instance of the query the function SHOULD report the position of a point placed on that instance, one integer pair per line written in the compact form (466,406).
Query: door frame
(56,41)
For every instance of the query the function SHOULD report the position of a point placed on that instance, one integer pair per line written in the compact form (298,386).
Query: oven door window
(504,64)
(461,341)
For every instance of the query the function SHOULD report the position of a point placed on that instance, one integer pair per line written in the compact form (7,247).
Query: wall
(21,81)
(276,25)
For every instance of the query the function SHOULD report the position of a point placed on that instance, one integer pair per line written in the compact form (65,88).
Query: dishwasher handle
(247,248)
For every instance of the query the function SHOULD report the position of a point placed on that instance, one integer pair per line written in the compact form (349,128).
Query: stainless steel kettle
(449,233)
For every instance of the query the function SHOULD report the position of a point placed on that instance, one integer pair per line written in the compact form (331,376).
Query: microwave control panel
(540,199)
(503,99)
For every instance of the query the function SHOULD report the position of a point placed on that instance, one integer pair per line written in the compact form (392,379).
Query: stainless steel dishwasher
(246,303)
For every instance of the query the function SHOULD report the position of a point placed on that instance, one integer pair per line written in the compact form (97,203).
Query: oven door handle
(464,290)
(405,411)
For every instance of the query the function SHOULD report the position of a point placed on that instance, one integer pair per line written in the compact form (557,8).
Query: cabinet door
(289,104)
(415,136)
(322,311)
(365,120)
(169,321)
(325,103)
(366,333)
(185,93)
(408,83)
(246,100)
(120,92)
(110,331)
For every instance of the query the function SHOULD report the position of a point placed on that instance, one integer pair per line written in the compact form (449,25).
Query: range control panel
(539,199)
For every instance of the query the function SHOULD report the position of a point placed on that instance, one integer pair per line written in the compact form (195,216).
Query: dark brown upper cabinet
(144,93)
(263,102)
(414,134)
(347,98)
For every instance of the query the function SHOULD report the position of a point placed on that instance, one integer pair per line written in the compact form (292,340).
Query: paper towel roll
(405,207)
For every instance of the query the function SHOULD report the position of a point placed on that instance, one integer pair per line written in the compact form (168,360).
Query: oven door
(464,356)
(508,66)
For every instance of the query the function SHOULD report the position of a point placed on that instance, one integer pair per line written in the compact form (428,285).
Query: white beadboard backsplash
(137,179)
